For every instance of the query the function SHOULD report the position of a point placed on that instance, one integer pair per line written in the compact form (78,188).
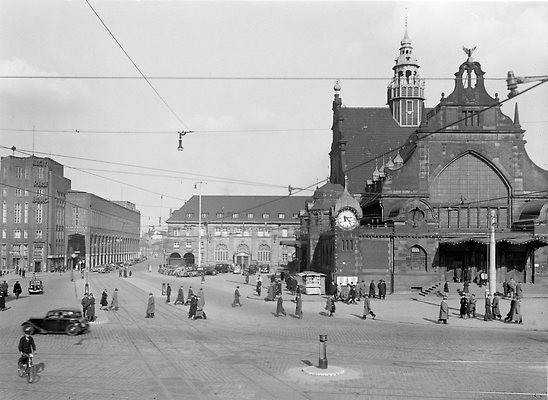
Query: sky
(118,139)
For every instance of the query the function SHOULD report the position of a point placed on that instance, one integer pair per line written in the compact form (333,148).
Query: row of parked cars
(104,268)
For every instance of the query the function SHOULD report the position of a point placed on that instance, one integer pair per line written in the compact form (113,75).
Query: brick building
(424,183)
(239,230)
(100,231)
(33,191)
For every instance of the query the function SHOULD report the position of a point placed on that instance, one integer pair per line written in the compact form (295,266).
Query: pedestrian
(383,289)
(351,299)
(495,307)
(367,308)
(466,287)
(201,294)
(511,286)
(104,300)
(372,289)
(119,273)
(471,307)
(444,311)
(2,300)
(236,301)
(168,293)
(519,290)
(488,313)
(114,301)
(446,288)
(299,306)
(5,288)
(85,304)
(505,288)
(17,289)
(247,277)
(24,272)
(200,304)
(189,295)
(203,277)
(278,287)
(258,287)
(463,306)
(517,312)
(180,296)
(91,308)
(130,273)
(149,268)
(193,301)
(150,306)
(330,305)
(280,306)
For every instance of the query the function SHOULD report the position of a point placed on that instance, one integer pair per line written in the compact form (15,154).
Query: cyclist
(26,346)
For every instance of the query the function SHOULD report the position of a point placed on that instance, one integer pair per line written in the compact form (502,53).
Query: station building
(100,231)
(412,190)
(239,230)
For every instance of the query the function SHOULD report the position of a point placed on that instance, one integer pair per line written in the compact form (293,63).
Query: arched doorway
(174,259)
(417,259)
(241,257)
(188,259)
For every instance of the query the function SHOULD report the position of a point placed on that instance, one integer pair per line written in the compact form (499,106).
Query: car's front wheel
(72,330)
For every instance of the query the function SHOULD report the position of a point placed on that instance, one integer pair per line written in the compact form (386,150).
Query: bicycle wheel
(30,376)
(20,371)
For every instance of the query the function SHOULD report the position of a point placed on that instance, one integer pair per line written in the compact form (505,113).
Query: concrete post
(322,363)
(492,256)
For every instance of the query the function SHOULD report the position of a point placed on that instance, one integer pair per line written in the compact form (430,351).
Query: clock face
(346,219)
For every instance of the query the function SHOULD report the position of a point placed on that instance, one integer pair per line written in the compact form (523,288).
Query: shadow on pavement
(307,362)
(432,320)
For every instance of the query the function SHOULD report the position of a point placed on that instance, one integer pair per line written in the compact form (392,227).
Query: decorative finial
(406,19)
(337,87)
(469,53)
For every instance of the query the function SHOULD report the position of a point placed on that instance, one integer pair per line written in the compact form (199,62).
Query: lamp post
(73,256)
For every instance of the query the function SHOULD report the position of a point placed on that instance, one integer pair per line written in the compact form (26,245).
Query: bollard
(322,363)
(86,288)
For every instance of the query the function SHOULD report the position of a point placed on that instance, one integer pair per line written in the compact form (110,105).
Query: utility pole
(492,256)
(199,223)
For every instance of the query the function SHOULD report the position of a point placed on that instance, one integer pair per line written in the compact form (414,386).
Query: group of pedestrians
(113,302)
(88,307)
(468,305)
(196,301)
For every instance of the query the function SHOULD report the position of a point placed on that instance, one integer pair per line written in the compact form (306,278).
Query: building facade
(239,230)
(100,231)
(33,201)
(425,183)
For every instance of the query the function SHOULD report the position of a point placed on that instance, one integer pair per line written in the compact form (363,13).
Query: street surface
(248,353)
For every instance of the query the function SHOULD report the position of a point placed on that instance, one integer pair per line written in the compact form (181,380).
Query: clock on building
(347,218)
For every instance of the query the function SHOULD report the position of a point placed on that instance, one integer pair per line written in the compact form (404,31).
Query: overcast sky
(269,133)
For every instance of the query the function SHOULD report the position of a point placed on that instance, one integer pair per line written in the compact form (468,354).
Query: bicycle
(26,368)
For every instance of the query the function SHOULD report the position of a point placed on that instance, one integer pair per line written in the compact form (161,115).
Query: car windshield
(35,282)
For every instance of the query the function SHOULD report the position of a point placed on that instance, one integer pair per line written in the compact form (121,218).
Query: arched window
(417,259)
(264,253)
(221,252)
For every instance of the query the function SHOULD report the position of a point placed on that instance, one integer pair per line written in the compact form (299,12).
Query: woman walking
(114,301)
(299,306)
(280,306)
(104,301)
(444,311)
(180,296)
(367,308)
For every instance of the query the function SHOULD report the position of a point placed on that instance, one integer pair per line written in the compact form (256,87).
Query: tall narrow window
(76,215)
(17,217)
(26,214)
(4,212)
(38,213)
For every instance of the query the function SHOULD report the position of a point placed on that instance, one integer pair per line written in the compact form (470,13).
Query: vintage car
(36,287)
(61,320)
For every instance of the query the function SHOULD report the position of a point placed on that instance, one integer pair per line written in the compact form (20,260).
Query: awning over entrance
(508,237)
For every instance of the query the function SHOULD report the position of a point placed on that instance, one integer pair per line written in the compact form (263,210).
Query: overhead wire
(137,67)
(159,132)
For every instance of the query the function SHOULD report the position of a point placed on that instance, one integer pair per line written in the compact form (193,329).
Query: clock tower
(405,93)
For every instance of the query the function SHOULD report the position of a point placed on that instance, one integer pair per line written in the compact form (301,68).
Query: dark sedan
(36,287)
(61,320)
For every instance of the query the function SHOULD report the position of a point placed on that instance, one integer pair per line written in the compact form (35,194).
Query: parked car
(60,320)
(264,269)
(36,287)
(222,268)
(210,271)
(237,269)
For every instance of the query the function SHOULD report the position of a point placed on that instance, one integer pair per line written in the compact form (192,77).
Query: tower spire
(516,115)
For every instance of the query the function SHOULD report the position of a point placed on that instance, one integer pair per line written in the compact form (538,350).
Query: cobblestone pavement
(247,353)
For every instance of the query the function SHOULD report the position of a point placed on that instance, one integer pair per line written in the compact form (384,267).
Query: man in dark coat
(488,313)
(330,305)
(2,300)
(193,306)
(91,308)
(463,306)
(466,287)
(26,346)
(85,304)
(17,289)
(444,311)
(236,301)
(519,291)
(189,295)
(372,289)
(258,288)
(495,307)
(150,306)
(104,300)
(367,308)
(382,290)
(168,293)
(505,287)
(280,306)
(180,296)
(446,288)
